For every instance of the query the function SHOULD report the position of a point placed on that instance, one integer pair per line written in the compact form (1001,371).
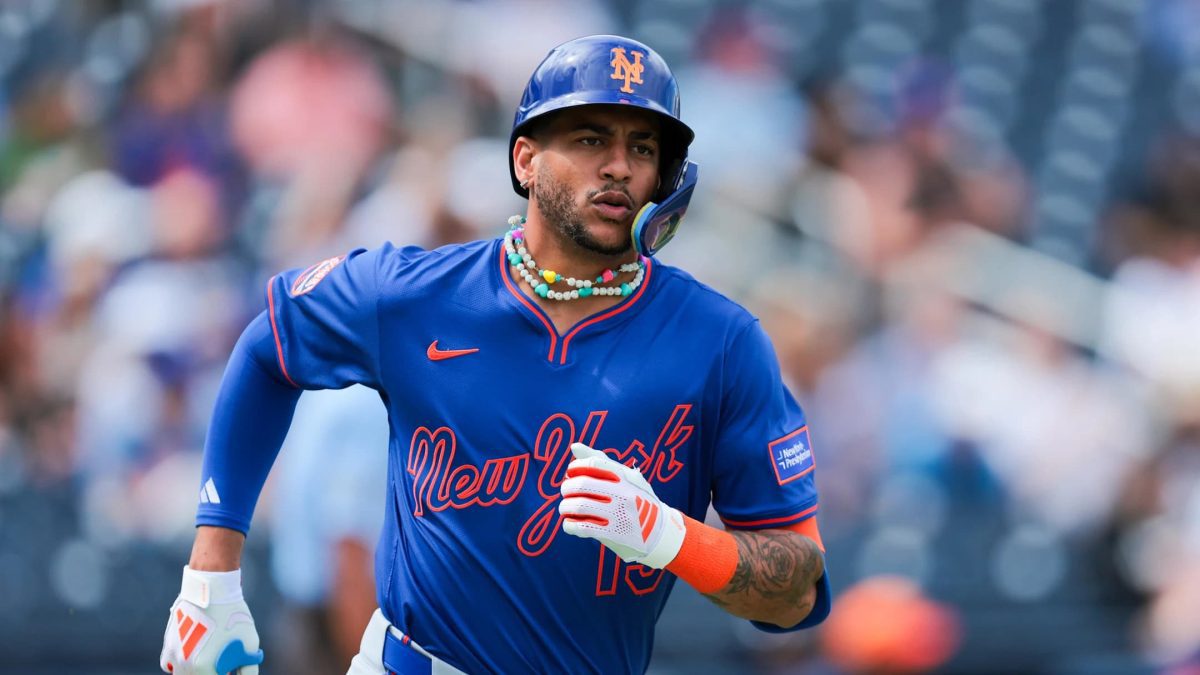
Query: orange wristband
(707,559)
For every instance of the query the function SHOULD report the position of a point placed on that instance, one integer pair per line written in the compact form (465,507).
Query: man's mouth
(613,205)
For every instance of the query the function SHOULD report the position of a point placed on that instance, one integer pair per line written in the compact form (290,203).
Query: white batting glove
(608,501)
(210,631)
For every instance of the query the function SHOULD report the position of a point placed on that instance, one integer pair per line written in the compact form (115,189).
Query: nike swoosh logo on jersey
(436,354)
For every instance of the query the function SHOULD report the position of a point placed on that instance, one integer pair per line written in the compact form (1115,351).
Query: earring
(525,184)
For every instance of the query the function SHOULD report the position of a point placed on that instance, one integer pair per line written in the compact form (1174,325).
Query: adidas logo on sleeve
(208,493)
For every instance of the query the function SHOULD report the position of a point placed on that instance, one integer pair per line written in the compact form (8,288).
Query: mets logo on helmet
(624,69)
(312,276)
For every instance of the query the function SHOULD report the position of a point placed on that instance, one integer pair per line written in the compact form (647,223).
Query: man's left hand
(610,502)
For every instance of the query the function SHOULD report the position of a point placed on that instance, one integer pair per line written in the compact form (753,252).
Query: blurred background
(971,227)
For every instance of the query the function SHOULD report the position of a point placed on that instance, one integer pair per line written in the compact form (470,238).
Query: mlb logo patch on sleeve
(312,276)
(792,455)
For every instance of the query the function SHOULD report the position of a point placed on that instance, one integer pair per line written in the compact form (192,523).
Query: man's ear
(524,152)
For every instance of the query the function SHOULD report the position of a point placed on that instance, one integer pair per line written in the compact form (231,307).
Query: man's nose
(617,166)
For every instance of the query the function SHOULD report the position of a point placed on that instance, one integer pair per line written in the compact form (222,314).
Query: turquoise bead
(514,258)
(625,289)
(542,290)
(585,291)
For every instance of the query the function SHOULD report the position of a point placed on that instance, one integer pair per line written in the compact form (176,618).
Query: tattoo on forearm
(775,576)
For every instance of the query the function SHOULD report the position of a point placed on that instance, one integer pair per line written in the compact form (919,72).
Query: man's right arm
(319,331)
(210,628)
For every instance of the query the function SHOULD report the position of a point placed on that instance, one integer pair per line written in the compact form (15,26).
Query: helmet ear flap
(655,225)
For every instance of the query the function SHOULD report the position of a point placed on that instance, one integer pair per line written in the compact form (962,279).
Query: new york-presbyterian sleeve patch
(792,455)
(312,276)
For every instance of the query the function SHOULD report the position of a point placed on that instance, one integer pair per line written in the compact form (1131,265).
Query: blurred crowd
(971,228)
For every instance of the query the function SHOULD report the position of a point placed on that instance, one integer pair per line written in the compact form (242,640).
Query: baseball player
(563,407)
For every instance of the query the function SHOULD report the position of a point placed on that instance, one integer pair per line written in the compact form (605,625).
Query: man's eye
(590,140)
(647,150)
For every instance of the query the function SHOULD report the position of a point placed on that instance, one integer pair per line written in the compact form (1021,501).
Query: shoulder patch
(312,276)
(792,455)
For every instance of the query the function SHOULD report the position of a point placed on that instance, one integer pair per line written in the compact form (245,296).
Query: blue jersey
(485,398)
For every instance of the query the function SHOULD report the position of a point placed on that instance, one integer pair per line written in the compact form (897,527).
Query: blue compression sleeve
(252,415)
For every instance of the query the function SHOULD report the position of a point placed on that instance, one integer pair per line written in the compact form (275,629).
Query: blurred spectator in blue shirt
(325,517)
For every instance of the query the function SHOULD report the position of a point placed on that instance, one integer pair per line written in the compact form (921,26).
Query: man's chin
(605,245)
(607,248)
(610,237)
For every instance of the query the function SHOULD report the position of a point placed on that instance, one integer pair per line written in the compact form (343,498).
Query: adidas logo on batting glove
(610,502)
(210,630)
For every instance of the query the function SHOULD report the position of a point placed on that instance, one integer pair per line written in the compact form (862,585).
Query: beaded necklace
(539,280)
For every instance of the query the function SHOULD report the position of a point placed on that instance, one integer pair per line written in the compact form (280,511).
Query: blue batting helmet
(613,70)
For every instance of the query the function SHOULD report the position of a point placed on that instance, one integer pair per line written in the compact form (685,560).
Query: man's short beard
(558,208)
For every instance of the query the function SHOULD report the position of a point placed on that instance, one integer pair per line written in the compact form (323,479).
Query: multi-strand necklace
(540,280)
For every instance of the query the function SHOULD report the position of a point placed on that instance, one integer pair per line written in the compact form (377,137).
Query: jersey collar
(560,343)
